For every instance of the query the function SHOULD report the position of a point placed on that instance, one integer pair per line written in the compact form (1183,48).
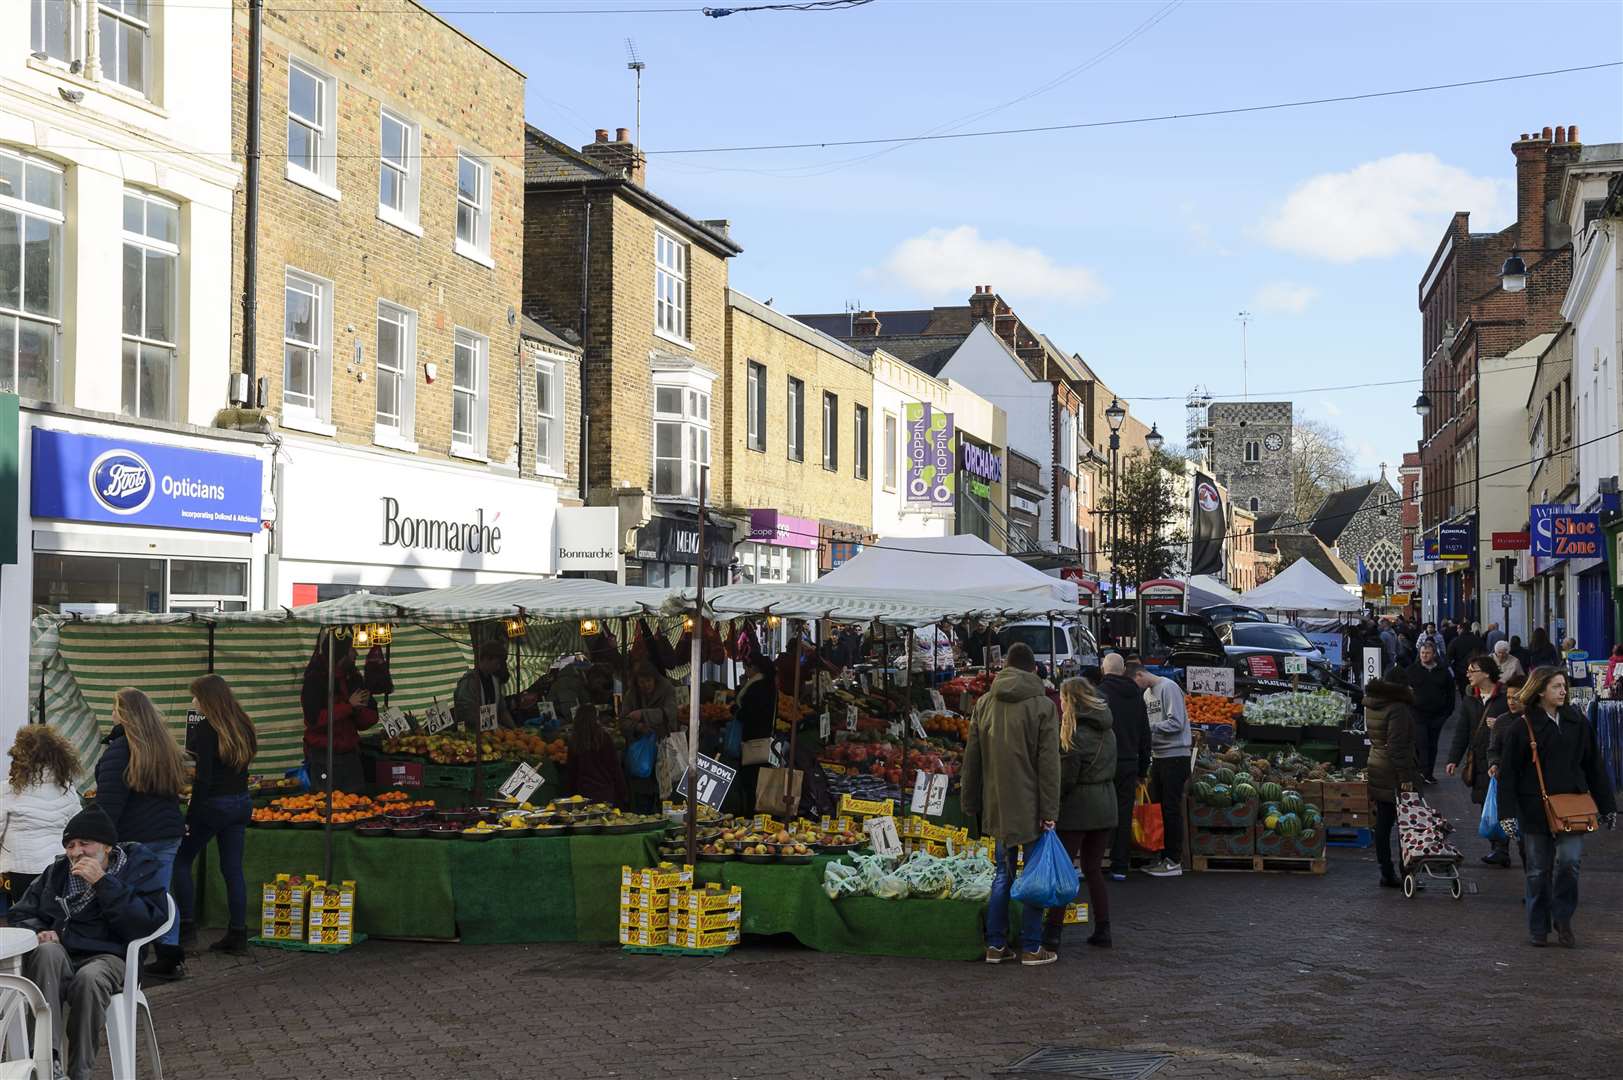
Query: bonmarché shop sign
(441,534)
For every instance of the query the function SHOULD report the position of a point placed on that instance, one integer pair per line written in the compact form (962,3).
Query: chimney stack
(983,304)
(618,158)
(865,325)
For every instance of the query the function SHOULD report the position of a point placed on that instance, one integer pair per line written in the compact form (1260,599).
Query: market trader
(480,689)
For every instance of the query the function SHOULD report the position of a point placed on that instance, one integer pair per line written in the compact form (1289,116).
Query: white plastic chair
(125,1009)
(19,997)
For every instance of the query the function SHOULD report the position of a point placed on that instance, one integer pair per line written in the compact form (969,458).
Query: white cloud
(951,262)
(1284,297)
(1395,205)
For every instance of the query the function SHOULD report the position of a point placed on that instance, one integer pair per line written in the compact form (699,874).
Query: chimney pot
(602,134)
(1560,134)
(622,134)
(1547,134)
(1572,133)
(1522,137)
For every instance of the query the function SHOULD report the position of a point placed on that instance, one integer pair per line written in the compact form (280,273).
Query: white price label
(522,784)
(395,722)
(850,718)
(918,726)
(882,835)
(938,701)
(715,779)
(825,726)
(438,719)
(1372,664)
(929,793)
(487,717)
(938,795)
(1295,665)
(546,710)
(1210,680)
(895,728)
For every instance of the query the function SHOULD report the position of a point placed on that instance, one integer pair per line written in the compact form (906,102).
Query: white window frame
(755,406)
(473,444)
(116,11)
(409,172)
(671,288)
(795,397)
(860,434)
(694,385)
(892,434)
(314,416)
(831,431)
(150,244)
(549,426)
(402,434)
(56,218)
(323,179)
(77,38)
(478,249)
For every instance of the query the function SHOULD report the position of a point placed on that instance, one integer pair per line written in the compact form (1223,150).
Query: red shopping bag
(1149,834)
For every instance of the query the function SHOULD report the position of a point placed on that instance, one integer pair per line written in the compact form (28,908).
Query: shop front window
(103,584)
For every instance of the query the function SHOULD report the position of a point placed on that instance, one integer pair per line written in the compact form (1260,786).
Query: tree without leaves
(1147,503)
(1320,464)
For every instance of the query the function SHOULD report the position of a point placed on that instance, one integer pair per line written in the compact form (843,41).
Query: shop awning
(896,607)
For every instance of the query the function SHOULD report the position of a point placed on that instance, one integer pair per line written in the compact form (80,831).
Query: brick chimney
(865,324)
(620,157)
(983,304)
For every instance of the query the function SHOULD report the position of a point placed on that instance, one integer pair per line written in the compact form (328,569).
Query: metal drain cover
(1089,1064)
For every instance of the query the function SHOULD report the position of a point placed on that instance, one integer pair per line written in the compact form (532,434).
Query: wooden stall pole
(326,839)
(794,722)
(697,656)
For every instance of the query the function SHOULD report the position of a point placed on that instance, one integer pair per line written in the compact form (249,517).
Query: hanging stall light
(590,628)
(383,634)
(516,626)
(687,622)
(362,636)
(772,622)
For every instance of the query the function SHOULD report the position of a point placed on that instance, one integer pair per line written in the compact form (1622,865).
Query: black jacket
(139,817)
(214,777)
(1132,722)
(1433,691)
(129,906)
(1460,651)
(1571,759)
(1390,723)
(758,709)
(1474,721)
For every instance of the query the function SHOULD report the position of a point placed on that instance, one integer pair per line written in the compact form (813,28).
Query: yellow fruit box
(332,897)
(283,931)
(326,917)
(332,935)
(657,878)
(1076,913)
(867,807)
(710,898)
(644,899)
(284,890)
(646,920)
(714,939)
(648,939)
(715,920)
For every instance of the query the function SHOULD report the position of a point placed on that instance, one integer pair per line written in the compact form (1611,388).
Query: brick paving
(1234,975)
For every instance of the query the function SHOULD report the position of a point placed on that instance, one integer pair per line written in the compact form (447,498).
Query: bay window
(31,221)
(681,434)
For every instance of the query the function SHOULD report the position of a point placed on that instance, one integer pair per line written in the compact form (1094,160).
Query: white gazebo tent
(1302,588)
(1206,591)
(931,564)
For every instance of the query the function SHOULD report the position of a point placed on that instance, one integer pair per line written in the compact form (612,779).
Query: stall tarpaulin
(968,563)
(895,607)
(1206,591)
(1301,587)
(1210,525)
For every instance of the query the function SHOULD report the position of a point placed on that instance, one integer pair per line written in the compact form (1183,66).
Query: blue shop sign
(1454,541)
(91,478)
(1430,549)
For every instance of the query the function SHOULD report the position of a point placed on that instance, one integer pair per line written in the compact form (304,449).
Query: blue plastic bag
(1048,880)
(732,740)
(1490,829)
(641,755)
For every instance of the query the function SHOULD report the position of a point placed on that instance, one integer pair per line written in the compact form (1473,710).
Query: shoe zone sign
(90,478)
(1560,532)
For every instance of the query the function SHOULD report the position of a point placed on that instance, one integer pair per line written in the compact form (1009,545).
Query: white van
(1073,644)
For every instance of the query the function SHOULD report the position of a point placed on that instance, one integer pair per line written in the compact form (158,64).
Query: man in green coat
(1010,783)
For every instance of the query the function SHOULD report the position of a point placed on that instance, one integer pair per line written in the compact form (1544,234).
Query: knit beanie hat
(91,823)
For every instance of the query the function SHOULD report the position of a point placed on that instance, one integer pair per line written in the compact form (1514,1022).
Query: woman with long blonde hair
(138,783)
(222,743)
(1087,787)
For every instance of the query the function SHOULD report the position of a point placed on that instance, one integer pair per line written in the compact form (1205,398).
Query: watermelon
(1309,838)
(1270,792)
(1203,793)
(1243,793)
(1225,775)
(1221,796)
(1288,825)
(1291,802)
(1311,816)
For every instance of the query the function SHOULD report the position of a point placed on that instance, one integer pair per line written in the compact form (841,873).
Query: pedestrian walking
(1011,784)
(1509,666)
(1479,710)
(1131,721)
(1430,634)
(1514,710)
(138,782)
(1434,702)
(1612,664)
(648,707)
(1494,636)
(1552,752)
(1389,722)
(222,743)
(1171,743)
(1388,637)
(1541,651)
(1521,653)
(757,717)
(352,713)
(1087,812)
(36,806)
(1466,644)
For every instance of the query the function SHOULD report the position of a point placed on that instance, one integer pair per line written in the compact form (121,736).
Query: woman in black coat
(757,715)
(1479,710)
(1570,762)
(1393,767)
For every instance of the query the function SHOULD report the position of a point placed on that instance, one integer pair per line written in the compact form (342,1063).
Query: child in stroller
(1423,845)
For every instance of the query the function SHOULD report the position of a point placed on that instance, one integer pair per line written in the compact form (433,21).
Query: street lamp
(1513,275)
(1422,405)
(1114,416)
(1154,439)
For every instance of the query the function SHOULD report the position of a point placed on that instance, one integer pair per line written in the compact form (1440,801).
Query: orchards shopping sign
(931,461)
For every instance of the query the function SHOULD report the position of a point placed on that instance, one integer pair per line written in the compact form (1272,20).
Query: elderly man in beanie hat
(86,908)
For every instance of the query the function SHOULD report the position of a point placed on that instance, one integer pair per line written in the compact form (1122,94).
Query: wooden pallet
(1257,864)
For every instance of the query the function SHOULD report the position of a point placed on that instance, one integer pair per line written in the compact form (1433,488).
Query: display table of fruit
(504,744)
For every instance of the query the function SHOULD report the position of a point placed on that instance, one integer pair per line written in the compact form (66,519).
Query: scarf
(81,893)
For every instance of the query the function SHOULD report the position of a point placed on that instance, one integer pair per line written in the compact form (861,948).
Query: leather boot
(1101,934)
(1051,937)
(235,942)
(169,965)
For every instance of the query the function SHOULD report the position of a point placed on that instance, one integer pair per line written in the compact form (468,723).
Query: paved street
(1234,975)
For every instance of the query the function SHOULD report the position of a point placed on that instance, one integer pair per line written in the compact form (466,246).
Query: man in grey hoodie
(1170,746)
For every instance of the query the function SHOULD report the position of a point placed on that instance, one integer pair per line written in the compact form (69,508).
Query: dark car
(1269,635)
(1231,613)
(1175,641)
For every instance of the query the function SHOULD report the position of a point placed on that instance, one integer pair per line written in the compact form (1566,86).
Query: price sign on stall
(825,726)
(715,779)
(522,784)
(929,793)
(850,718)
(1210,680)
(918,726)
(882,835)
(487,717)
(437,719)
(394,722)
(546,710)
(1295,665)
(938,701)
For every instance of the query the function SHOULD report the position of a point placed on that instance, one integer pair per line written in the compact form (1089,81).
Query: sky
(1135,245)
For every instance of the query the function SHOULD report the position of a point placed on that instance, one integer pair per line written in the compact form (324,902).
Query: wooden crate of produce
(1344,819)
(1223,842)
(1347,796)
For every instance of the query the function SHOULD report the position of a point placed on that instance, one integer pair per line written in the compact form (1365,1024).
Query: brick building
(644,285)
(1409,476)
(1466,317)
(1249,448)
(381,324)
(1363,527)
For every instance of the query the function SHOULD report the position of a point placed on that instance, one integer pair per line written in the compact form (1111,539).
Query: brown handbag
(1468,769)
(1565,813)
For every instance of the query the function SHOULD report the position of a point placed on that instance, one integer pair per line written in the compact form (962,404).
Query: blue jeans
(224,817)
(997,907)
(164,850)
(1552,878)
